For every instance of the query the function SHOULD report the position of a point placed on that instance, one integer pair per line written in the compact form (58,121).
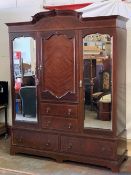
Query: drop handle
(103,149)
(19,139)
(69,111)
(36,81)
(69,125)
(47,110)
(69,146)
(48,123)
(48,143)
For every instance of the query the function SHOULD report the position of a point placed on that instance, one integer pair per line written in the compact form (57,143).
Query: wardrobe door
(98,65)
(24,76)
(58,66)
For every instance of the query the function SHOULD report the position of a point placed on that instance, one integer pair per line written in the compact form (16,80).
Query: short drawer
(35,140)
(59,110)
(60,123)
(87,146)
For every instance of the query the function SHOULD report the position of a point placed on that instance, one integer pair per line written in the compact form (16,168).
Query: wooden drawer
(60,123)
(59,110)
(89,147)
(36,140)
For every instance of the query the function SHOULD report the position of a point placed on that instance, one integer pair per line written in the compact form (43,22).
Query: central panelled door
(59,90)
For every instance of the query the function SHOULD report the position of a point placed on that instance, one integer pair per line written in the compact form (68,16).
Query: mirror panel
(24,60)
(97,60)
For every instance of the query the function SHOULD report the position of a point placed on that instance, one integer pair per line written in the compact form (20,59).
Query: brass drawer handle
(69,125)
(70,146)
(19,139)
(69,112)
(48,123)
(47,110)
(48,143)
(103,149)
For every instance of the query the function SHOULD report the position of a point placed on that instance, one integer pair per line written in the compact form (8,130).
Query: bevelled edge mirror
(24,63)
(97,60)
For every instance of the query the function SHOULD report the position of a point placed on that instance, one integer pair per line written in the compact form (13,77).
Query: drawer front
(89,147)
(35,140)
(59,110)
(60,124)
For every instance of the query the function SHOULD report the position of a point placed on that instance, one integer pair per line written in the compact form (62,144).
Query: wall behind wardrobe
(128,81)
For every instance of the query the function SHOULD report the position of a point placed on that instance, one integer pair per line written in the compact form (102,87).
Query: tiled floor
(33,165)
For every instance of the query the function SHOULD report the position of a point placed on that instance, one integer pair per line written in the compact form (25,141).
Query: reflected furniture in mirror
(80,113)
(97,55)
(102,99)
(105,87)
(28,100)
(24,71)
(104,108)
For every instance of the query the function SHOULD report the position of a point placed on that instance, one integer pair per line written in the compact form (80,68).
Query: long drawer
(57,123)
(69,111)
(87,146)
(36,140)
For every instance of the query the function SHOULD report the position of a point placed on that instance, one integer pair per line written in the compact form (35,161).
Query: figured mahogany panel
(58,78)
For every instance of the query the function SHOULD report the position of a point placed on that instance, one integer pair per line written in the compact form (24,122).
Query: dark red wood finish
(59,110)
(60,132)
(58,61)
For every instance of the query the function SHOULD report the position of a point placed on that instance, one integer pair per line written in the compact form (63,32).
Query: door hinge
(80,84)
(36,82)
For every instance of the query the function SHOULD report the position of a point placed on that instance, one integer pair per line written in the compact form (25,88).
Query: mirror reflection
(24,59)
(97,59)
